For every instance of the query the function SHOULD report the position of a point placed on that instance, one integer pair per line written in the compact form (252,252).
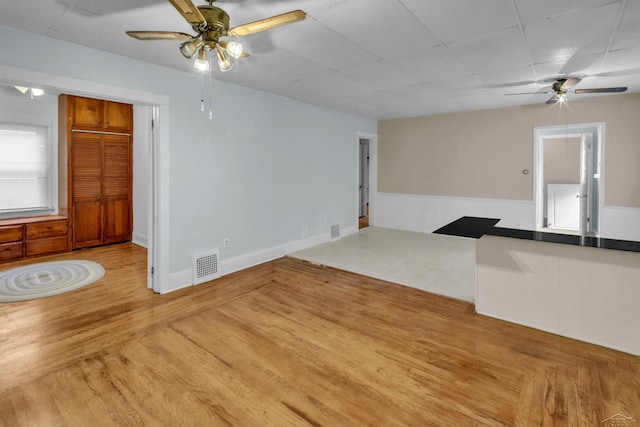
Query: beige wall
(561,161)
(482,154)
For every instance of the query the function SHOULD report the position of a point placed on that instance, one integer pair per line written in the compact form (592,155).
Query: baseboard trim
(183,279)
(140,240)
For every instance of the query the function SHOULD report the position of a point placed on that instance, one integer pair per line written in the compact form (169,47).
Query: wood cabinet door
(87,113)
(116,188)
(118,117)
(86,190)
(117,220)
(87,224)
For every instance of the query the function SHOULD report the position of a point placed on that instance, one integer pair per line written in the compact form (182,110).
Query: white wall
(261,172)
(428,213)
(141,163)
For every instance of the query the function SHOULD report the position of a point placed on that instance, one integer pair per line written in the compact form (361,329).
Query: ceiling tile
(507,78)
(39,16)
(576,34)
(628,34)
(315,42)
(385,28)
(495,51)
(541,10)
(459,20)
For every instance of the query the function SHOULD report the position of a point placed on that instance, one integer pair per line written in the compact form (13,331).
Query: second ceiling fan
(562,86)
(210,24)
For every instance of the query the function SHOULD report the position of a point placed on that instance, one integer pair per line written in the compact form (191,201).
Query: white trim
(423,213)
(139,239)
(56,83)
(541,133)
(373,174)
(618,222)
(183,279)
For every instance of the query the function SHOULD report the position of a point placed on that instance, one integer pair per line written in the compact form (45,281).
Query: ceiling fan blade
(267,23)
(528,93)
(159,35)
(602,90)
(554,99)
(569,83)
(189,11)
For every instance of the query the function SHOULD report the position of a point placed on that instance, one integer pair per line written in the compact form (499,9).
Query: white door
(586,183)
(364,177)
(564,206)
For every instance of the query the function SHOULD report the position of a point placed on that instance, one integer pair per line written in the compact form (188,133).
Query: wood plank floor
(290,344)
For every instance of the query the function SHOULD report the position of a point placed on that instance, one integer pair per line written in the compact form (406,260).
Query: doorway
(363,195)
(157,105)
(366,172)
(568,178)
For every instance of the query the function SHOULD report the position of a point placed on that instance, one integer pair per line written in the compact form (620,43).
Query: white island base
(590,294)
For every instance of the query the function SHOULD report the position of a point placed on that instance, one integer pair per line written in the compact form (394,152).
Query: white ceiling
(380,59)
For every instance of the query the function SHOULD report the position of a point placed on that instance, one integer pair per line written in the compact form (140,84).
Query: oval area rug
(46,279)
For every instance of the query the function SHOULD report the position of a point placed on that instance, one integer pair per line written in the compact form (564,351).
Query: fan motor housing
(217,19)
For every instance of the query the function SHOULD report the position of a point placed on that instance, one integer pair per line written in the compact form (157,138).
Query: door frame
(373,175)
(158,206)
(596,168)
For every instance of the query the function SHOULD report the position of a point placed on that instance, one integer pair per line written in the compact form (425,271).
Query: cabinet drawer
(10,233)
(10,251)
(47,229)
(46,246)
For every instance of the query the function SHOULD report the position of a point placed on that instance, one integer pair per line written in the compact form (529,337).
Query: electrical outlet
(226,242)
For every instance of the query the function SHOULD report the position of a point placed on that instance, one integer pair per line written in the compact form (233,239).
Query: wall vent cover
(335,231)
(205,266)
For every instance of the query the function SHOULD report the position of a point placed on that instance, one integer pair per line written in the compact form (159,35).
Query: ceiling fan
(564,85)
(210,23)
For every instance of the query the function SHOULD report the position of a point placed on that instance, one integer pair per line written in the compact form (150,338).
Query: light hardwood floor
(290,344)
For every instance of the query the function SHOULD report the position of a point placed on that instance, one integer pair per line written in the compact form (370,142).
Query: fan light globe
(234,49)
(190,48)
(225,65)
(201,63)
(223,62)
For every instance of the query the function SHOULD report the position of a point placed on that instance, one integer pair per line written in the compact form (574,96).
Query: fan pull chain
(201,90)
(210,89)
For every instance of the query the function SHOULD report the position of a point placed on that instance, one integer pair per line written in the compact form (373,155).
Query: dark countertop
(468,226)
(475,227)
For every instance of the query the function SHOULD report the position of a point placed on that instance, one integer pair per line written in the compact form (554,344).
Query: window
(27,175)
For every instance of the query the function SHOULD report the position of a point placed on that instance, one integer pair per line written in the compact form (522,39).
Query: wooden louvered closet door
(101,189)
(86,166)
(116,184)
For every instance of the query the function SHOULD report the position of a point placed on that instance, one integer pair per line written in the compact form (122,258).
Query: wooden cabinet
(29,237)
(99,115)
(11,237)
(46,237)
(100,171)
